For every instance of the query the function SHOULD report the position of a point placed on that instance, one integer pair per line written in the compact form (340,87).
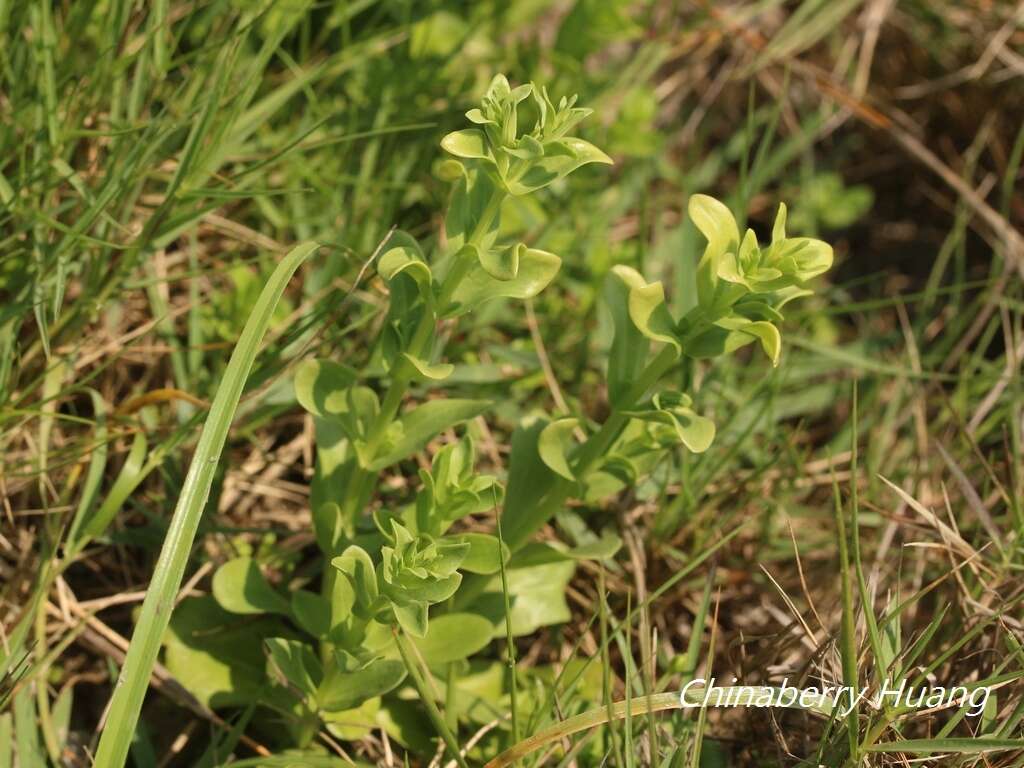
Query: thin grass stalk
(641,705)
(131,686)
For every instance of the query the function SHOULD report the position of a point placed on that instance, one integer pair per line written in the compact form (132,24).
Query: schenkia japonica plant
(405,593)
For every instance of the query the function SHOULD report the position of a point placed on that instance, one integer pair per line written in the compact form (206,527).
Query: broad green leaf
(407,723)
(537,591)
(555,443)
(342,690)
(430,592)
(240,587)
(601,549)
(294,664)
(472,201)
(717,341)
(536,269)
(757,310)
(437,35)
(424,422)
(562,157)
(718,226)
(673,410)
(771,340)
(432,371)
(482,555)
(783,296)
(312,612)
(219,659)
(539,596)
(629,348)
(529,480)
(321,387)
(412,618)
(696,432)
(454,636)
(469,143)
(353,724)
(342,600)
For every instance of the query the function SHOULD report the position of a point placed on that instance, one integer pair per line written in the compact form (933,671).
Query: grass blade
(132,683)
(958,746)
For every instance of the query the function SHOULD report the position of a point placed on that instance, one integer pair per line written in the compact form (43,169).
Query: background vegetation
(158,159)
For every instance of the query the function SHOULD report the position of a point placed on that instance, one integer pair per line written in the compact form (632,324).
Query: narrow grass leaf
(132,683)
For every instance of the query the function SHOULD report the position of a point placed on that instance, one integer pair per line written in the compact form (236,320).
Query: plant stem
(427,698)
(403,371)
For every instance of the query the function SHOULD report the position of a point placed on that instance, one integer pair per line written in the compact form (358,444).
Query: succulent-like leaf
(482,555)
(240,587)
(454,636)
(779,227)
(408,261)
(715,221)
(762,330)
(468,143)
(412,618)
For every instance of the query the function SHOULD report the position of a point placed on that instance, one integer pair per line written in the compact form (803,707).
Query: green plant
(402,591)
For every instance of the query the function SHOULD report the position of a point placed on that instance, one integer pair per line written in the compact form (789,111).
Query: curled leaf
(647,308)
(469,143)
(501,263)
(714,220)
(405,260)
(554,445)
